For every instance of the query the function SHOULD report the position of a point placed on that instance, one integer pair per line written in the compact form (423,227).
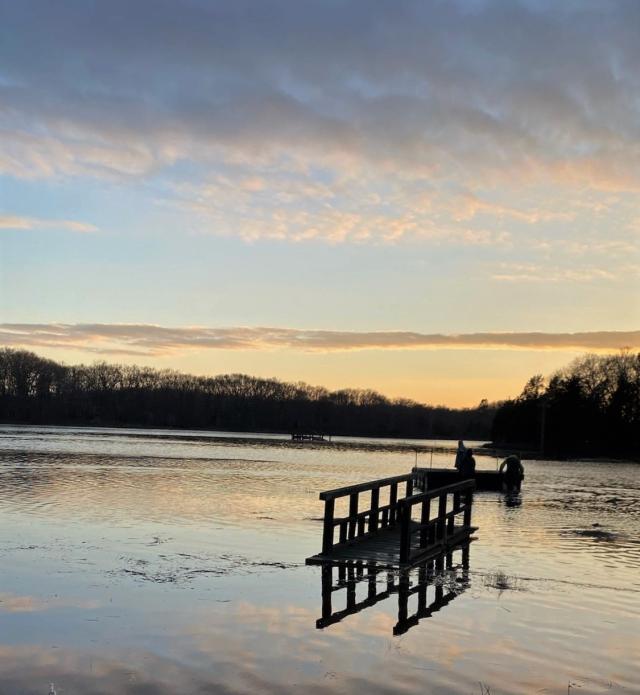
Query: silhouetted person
(513,474)
(468,465)
(460,454)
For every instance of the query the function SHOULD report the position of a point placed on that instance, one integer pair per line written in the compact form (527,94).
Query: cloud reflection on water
(13,603)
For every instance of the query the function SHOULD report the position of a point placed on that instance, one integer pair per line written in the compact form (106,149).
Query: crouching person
(513,473)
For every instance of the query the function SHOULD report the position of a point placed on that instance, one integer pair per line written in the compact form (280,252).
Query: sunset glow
(394,196)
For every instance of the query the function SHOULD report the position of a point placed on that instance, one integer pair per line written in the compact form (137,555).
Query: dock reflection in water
(421,590)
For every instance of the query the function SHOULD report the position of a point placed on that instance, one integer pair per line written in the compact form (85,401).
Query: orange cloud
(28,223)
(146,339)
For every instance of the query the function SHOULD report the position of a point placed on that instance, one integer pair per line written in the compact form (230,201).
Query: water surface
(160,562)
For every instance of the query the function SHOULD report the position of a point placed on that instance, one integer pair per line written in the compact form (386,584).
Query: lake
(159,562)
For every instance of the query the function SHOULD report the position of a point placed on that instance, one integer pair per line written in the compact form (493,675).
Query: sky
(432,199)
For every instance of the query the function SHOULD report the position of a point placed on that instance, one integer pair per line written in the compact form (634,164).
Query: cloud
(531,272)
(152,340)
(15,222)
(500,125)
(284,206)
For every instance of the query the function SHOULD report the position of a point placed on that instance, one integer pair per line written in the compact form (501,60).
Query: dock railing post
(451,519)
(409,487)
(343,531)
(393,503)
(327,531)
(405,528)
(442,516)
(424,520)
(375,503)
(451,523)
(353,513)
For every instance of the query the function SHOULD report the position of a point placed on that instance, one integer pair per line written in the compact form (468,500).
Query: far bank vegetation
(590,408)
(36,390)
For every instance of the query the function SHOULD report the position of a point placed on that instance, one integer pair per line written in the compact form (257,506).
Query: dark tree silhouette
(40,391)
(592,407)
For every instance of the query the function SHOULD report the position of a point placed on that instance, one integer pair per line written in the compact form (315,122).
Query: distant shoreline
(400,444)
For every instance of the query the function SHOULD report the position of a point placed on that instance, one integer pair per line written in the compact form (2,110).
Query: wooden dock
(431,478)
(402,531)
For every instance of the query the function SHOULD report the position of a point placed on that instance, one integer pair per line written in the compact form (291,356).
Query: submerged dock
(388,524)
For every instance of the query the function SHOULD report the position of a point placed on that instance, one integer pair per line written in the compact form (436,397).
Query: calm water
(156,563)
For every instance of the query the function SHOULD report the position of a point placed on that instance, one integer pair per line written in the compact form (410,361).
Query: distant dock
(299,437)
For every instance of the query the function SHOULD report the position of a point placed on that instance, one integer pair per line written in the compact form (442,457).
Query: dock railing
(361,522)
(437,529)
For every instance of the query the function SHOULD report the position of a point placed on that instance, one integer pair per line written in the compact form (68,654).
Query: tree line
(36,390)
(591,407)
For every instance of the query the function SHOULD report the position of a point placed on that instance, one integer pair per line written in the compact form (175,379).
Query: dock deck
(383,548)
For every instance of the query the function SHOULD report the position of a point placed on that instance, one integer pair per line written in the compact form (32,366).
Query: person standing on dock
(468,465)
(460,454)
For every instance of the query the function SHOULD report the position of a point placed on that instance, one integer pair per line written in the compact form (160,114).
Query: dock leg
(327,531)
